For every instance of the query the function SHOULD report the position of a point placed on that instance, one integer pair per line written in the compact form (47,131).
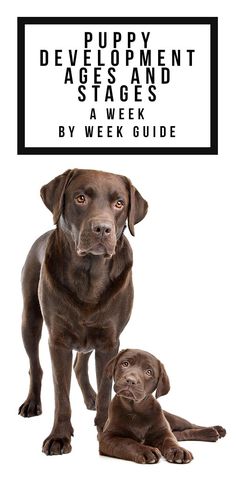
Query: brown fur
(137,429)
(78,279)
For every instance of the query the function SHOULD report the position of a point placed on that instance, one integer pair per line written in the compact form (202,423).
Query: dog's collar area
(134,401)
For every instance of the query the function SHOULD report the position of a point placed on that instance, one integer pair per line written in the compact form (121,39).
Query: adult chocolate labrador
(137,429)
(78,278)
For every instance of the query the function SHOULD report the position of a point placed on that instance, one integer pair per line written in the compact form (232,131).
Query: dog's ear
(111,365)
(138,206)
(163,383)
(52,193)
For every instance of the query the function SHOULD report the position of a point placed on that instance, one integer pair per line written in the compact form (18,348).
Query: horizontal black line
(118,151)
(117,20)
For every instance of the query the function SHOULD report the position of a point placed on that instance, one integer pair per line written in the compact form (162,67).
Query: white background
(183,103)
(184,276)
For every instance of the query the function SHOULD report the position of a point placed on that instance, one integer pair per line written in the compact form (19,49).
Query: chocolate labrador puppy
(78,279)
(137,429)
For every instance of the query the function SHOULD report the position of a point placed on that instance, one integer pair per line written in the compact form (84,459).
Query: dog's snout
(131,380)
(102,228)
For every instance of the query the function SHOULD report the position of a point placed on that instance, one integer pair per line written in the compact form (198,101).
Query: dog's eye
(125,364)
(119,203)
(148,372)
(80,199)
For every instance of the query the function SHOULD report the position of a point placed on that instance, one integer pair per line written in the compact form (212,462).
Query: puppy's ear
(138,206)
(163,384)
(111,365)
(52,193)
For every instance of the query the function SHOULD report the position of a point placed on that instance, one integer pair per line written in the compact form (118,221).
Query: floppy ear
(163,384)
(138,207)
(52,193)
(111,365)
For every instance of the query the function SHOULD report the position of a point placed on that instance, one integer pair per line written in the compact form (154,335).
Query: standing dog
(137,428)
(78,279)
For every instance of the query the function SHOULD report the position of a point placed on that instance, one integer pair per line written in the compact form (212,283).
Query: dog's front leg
(104,384)
(58,442)
(127,448)
(166,442)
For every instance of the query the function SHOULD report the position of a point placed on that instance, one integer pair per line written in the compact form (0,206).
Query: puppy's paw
(220,430)
(56,445)
(31,407)
(147,455)
(211,433)
(178,455)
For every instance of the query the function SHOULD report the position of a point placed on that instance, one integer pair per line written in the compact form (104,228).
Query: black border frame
(23,150)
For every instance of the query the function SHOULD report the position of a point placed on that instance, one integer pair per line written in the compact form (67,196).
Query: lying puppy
(137,429)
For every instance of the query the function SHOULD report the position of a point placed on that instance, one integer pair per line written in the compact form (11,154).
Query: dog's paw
(90,401)
(178,455)
(220,430)
(147,455)
(100,421)
(211,433)
(56,445)
(30,408)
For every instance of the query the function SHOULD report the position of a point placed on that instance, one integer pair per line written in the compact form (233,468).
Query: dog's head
(137,374)
(93,207)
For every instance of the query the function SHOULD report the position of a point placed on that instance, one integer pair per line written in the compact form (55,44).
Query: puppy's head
(92,207)
(137,374)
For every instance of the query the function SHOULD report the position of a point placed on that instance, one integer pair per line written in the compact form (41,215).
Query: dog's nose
(102,229)
(131,380)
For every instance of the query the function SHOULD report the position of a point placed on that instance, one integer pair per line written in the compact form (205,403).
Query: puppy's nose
(102,229)
(131,380)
